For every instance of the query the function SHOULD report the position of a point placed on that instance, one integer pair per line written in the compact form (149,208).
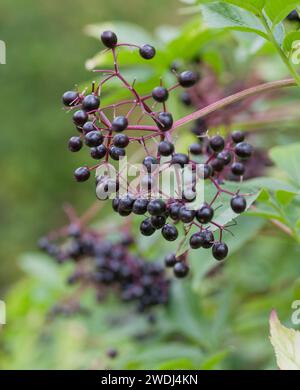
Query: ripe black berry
(150,163)
(207,171)
(180,159)
(243,150)
(165,121)
(169,232)
(91,103)
(217,165)
(293,16)
(196,240)
(174,211)
(69,98)
(126,203)
(165,148)
(225,157)
(170,260)
(82,174)
(195,149)
(156,207)
(238,204)
(109,39)
(140,206)
(185,98)
(205,214)
(219,250)
(238,136)
(160,94)
(75,144)
(188,78)
(147,52)
(98,152)
(120,123)
(112,353)
(93,138)
(181,270)
(158,221)
(146,227)
(208,239)
(80,117)
(238,169)
(88,127)
(217,143)
(121,140)
(186,215)
(115,204)
(116,153)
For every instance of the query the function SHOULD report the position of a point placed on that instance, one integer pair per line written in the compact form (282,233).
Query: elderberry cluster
(109,266)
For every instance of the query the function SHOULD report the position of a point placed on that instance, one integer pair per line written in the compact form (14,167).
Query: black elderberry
(82,174)
(169,232)
(219,250)
(217,143)
(197,240)
(208,239)
(174,211)
(158,221)
(69,98)
(205,214)
(75,144)
(217,165)
(120,123)
(146,228)
(109,39)
(186,215)
(115,204)
(181,269)
(124,213)
(207,171)
(165,148)
(140,206)
(238,136)
(150,163)
(160,94)
(156,207)
(293,16)
(80,117)
(243,150)
(121,140)
(238,168)
(91,103)
(225,157)
(164,121)
(199,127)
(98,152)
(195,149)
(147,52)
(238,204)
(170,260)
(186,99)
(126,203)
(88,127)
(188,78)
(93,138)
(180,159)
(116,153)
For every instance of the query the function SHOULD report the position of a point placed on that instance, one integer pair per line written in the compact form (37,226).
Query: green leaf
(284,197)
(277,10)
(213,361)
(291,41)
(286,343)
(287,158)
(255,6)
(226,16)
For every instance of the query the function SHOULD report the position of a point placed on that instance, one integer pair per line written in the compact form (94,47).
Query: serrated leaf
(286,343)
(277,10)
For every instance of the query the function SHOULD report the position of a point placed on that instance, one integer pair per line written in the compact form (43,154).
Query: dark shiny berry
(150,162)
(293,16)
(80,117)
(93,138)
(219,250)
(116,153)
(121,140)
(217,143)
(69,98)
(156,207)
(225,157)
(243,150)
(238,204)
(238,136)
(180,159)
(112,353)
(188,78)
(205,214)
(115,204)
(207,171)
(174,211)
(186,99)
(208,239)
(199,127)
(195,149)
(140,206)
(91,103)
(238,168)
(109,39)
(197,240)
(146,227)
(98,152)
(170,260)
(88,127)
(82,174)
(164,121)
(169,232)
(158,221)
(181,270)
(160,94)
(147,52)
(217,165)
(75,144)
(126,203)
(165,148)
(186,215)
(120,123)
